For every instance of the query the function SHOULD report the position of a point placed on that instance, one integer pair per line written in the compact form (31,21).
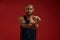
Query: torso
(27,34)
(31,19)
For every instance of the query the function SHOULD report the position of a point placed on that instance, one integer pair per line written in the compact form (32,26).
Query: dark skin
(34,20)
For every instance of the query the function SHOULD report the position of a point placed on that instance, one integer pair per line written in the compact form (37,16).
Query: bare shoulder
(20,18)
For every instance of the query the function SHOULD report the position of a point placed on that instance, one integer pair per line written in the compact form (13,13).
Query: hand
(34,25)
(36,19)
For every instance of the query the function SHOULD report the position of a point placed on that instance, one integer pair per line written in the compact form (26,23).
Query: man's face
(29,10)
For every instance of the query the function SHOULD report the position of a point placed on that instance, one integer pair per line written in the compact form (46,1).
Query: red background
(48,10)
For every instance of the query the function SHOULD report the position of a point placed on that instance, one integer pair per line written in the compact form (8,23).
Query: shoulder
(20,18)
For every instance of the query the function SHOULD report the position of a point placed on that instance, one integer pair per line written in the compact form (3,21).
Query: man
(28,24)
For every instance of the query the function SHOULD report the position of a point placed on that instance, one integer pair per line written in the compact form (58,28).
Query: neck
(28,16)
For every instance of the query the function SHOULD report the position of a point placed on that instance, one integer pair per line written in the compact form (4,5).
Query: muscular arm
(22,23)
(30,25)
(37,19)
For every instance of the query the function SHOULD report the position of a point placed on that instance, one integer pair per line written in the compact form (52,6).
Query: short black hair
(29,4)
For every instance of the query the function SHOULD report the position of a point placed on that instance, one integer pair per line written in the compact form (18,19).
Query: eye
(27,8)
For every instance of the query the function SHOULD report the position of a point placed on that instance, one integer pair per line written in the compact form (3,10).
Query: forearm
(32,26)
(26,25)
(35,26)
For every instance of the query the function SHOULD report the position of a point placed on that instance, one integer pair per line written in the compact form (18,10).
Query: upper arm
(21,20)
(38,18)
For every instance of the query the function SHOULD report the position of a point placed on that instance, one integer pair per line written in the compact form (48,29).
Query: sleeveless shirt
(27,34)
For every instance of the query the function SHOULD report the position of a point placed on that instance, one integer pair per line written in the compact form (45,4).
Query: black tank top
(27,33)
(26,22)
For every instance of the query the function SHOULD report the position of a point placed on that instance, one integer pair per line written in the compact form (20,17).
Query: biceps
(22,22)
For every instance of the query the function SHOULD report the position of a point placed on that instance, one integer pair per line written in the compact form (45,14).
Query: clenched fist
(34,19)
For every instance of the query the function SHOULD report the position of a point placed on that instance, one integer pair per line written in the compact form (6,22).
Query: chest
(29,20)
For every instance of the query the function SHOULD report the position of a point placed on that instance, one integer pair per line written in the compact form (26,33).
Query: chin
(29,15)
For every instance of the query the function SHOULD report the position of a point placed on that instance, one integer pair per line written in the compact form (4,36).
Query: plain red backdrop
(48,10)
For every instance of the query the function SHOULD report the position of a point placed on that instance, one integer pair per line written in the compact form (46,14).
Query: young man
(28,24)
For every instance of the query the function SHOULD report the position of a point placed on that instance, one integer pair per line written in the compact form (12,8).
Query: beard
(29,14)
